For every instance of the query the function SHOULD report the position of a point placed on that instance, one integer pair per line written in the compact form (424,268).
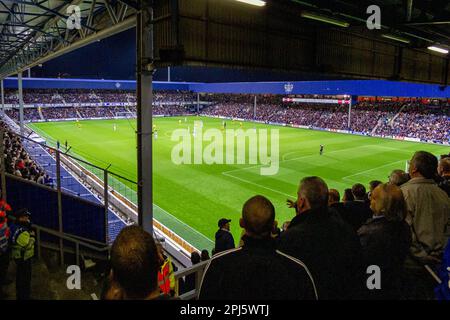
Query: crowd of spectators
(382,118)
(420,120)
(17,160)
(328,250)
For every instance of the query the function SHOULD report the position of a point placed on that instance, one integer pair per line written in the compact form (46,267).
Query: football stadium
(225,150)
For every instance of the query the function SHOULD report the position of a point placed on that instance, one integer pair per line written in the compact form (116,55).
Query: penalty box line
(370,170)
(257,184)
(313,155)
(293,159)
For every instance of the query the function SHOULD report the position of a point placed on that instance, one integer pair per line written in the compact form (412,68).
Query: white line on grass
(256,184)
(294,159)
(201,234)
(373,169)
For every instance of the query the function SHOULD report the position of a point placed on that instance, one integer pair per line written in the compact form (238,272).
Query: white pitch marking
(256,184)
(365,171)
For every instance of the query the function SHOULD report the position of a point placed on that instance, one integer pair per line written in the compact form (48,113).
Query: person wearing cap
(224,238)
(22,251)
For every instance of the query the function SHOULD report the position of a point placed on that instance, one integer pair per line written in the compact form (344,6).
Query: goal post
(125,114)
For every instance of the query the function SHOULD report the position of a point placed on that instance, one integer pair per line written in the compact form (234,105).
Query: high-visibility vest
(166,278)
(22,243)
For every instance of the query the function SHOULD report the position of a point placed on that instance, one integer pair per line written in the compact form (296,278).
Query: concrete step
(50,284)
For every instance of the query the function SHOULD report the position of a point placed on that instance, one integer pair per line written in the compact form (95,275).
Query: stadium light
(312,16)
(258,3)
(437,49)
(396,38)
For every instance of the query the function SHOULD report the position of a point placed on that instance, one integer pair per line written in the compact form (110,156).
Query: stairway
(40,114)
(49,283)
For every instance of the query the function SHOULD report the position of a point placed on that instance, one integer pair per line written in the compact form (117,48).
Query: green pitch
(190,199)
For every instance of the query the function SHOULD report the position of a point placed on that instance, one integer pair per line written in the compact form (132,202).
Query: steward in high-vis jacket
(166,278)
(22,251)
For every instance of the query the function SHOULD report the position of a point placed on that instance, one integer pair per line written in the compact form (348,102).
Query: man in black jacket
(385,239)
(224,238)
(334,203)
(257,271)
(328,246)
(358,211)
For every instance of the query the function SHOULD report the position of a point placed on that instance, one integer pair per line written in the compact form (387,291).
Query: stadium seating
(401,119)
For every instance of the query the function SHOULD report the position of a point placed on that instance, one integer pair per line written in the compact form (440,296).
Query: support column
(168,74)
(144,59)
(3,96)
(59,199)
(198,103)
(29,73)
(2,166)
(349,115)
(254,109)
(106,202)
(19,79)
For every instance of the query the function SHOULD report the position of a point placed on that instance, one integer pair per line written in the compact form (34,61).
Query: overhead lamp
(258,3)
(313,16)
(437,49)
(396,38)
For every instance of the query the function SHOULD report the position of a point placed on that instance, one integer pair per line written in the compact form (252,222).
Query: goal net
(125,114)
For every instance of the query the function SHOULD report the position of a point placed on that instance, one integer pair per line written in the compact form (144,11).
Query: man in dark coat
(385,239)
(336,207)
(328,246)
(444,175)
(257,270)
(224,238)
(358,211)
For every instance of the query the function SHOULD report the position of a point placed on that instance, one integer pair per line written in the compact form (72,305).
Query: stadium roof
(424,22)
(380,88)
(35,31)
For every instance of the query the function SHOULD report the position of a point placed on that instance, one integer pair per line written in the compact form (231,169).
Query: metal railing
(77,241)
(114,192)
(69,175)
(102,248)
(198,270)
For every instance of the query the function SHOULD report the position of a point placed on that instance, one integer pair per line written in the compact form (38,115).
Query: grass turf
(190,199)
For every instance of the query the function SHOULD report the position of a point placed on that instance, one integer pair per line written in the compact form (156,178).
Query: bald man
(328,246)
(257,271)
(386,238)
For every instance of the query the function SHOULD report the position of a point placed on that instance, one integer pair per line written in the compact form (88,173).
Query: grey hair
(315,190)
